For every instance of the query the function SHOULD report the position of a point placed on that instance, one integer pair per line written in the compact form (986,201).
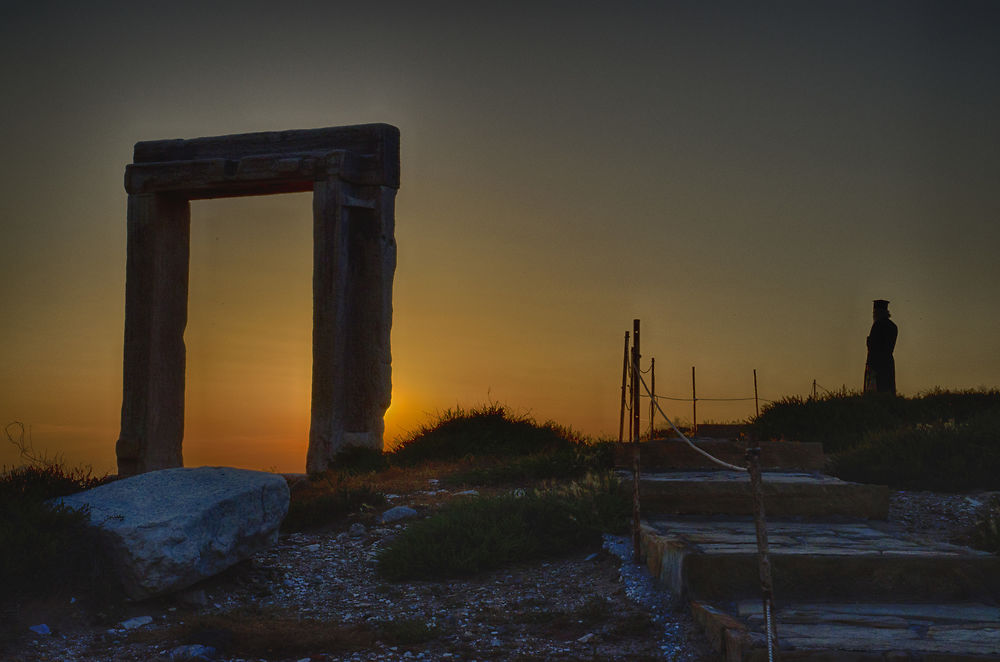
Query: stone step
(855,632)
(715,560)
(675,454)
(785,495)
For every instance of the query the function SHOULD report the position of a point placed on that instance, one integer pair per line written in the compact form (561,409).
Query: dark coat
(881,342)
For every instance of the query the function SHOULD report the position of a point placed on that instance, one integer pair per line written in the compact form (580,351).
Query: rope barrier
(753,468)
(664,397)
(708,455)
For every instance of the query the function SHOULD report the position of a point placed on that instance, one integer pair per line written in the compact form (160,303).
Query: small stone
(312,548)
(40,629)
(357,530)
(585,638)
(192,653)
(467,493)
(136,622)
(398,513)
(591,557)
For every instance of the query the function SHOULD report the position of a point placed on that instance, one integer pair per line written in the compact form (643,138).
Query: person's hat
(881,304)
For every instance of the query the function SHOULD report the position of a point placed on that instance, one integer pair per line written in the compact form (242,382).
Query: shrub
(940,456)
(46,546)
(327,501)
(489,431)
(843,420)
(485,533)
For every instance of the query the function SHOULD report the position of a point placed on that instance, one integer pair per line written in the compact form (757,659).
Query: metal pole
(652,394)
(694,406)
(621,419)
(636,555)
(756,401)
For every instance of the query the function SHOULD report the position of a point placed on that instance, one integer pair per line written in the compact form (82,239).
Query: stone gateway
(353,172)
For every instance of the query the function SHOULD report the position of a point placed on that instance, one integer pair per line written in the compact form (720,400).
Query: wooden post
(814,389)
(652,394)
(763,558)
(694,406)
(756,401)
(621,419)
(636,556)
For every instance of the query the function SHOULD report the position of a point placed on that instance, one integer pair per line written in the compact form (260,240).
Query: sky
(745,178)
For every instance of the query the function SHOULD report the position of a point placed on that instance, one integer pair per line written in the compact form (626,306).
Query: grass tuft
(479,534)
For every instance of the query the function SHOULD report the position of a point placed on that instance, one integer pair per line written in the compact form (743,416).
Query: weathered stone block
(165,530)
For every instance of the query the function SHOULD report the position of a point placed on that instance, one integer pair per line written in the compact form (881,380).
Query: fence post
(636,555)
(694,406)
(621,419)
(652,394)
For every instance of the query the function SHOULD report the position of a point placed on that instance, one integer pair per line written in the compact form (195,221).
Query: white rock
(398,513)
(192,653)
(136,622)
(167,529)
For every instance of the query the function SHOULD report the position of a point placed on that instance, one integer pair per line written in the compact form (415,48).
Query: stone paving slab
(786,494)
(716,560)
(855,632)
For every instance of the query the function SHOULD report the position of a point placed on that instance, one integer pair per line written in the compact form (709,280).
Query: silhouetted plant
(944,456)
(489,431)
(842,420)
(46,547)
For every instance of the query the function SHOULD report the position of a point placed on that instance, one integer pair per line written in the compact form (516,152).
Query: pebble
(40,629)
(192,653)
(357,530)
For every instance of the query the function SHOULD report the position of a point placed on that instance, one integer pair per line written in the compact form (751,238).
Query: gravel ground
(316,597)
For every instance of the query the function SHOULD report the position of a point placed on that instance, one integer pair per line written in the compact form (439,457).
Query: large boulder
(168,529)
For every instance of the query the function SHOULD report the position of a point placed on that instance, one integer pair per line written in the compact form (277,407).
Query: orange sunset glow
(744,179)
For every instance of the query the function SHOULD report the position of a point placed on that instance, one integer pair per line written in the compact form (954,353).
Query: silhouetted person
(880,368)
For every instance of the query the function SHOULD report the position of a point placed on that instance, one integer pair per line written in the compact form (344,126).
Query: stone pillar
(354,260)
(156,291)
